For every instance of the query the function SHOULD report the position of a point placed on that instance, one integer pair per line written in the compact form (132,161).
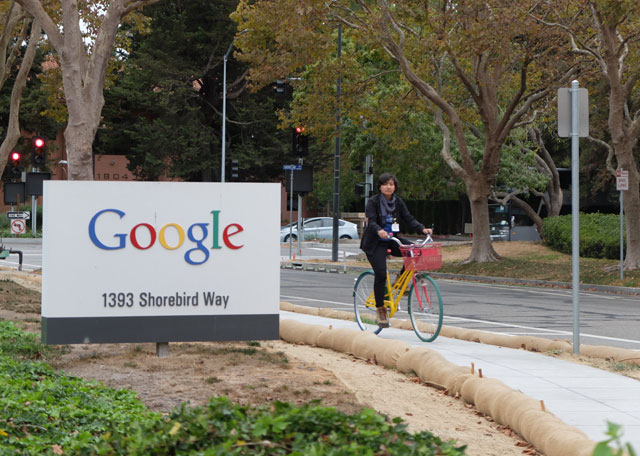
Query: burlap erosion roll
(507,405)
(552,436)
(611,353)
(487,395)
(410,361)
(335,314)
(400,324)
(287,306)
(297,332)
(365,345)
(337,339)
(391,352)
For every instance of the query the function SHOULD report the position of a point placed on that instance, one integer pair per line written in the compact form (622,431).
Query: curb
(336,268)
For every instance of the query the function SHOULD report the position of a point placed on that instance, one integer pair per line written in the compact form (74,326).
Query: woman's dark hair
(385,177)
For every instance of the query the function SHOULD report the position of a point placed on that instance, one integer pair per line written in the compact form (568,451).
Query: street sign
(622,180)
(18,226)
(18,215)
(564,112)
(292,167)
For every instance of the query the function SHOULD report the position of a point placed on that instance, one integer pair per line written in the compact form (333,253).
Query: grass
(535,261)
(526,260)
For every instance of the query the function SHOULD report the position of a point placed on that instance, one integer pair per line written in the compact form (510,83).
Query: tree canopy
(446,55)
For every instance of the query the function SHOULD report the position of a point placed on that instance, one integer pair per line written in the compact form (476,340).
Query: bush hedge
(599,235)
(222,428)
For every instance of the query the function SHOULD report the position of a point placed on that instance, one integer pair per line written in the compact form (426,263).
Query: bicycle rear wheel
(425,307)
(364,304)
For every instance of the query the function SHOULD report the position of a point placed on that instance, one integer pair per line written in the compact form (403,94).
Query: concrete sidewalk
(581,396)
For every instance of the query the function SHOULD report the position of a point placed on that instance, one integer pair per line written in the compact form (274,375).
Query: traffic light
(233,170)
(300,142)
(38,157)
(16,165)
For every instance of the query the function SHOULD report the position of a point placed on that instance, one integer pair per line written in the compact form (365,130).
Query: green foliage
(41,410)
(518,165)
(164,111)
(599,234)
(5,224)
(18,345)
(615,434)
(222,428)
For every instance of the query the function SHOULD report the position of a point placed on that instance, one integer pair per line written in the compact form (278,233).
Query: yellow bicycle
(424,301)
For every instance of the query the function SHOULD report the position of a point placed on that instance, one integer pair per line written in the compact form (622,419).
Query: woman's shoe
(383,321)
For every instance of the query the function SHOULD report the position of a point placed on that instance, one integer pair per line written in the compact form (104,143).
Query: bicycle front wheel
(364,303)
(425,307)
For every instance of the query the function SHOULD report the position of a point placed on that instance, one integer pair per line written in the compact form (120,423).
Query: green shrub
(613,446)
(5,224)
(222,428)
(41,410)
(599,235)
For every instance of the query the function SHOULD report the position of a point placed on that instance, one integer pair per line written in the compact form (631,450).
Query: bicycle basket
(427,257)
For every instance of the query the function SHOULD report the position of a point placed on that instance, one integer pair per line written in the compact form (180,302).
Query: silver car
(320,228)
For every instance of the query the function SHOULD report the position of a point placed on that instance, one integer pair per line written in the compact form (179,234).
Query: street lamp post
(224,112)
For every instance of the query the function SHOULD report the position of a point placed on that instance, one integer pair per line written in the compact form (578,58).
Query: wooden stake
(542,406)
(473,369)
(480,373)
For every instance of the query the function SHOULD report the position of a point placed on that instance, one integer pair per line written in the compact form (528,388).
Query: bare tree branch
(610,153)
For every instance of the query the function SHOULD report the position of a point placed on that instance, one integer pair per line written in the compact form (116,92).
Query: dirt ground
(260,372)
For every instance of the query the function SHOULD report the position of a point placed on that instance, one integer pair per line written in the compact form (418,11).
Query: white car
(320,228)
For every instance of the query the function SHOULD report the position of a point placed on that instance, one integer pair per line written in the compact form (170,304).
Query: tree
(449,53)
(535,155)
(608,34)
(84,69)
(17,27)
(165,109)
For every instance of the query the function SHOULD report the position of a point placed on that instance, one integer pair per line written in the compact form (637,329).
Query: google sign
(197,233)
(160,261)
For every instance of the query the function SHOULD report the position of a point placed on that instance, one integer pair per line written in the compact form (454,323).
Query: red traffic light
(38,142)
(15,156)
(300,129)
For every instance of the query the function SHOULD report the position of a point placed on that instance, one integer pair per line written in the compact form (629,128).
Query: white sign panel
(160,261)
(18,226)
(622,180)
(564,112)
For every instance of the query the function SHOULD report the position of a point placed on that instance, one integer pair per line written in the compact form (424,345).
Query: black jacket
(374,223)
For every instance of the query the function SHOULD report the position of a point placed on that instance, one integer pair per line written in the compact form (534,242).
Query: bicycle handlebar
(427,239)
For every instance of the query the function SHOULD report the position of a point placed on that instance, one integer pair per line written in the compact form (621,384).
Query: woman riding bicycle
(382,216)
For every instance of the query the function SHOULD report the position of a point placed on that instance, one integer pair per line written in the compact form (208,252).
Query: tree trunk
(631,206)
(481,248)
(79,141)
(13,128)
(83,74)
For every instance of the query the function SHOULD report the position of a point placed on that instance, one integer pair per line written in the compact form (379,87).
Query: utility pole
(336,161)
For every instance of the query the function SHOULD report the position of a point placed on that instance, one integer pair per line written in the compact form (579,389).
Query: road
(605,319)
(31,249)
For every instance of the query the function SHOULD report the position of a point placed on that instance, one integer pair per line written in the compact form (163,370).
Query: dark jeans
(378,262)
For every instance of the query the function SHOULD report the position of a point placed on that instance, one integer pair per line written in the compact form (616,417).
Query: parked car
(320,228)
(511,224)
